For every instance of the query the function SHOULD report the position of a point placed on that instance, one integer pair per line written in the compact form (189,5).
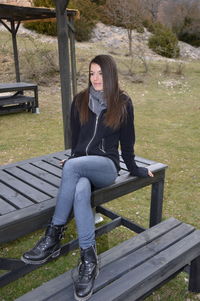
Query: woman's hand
(62,162)
(150,174)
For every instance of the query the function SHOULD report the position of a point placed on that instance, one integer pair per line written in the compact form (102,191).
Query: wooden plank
(49,168)
(5,207)
(33,181)
(143,278)
(42,174)
(14,197)
(12,109)
(16,100)
(124,185)
(139,164)
(23,188)
(26,220)
(5,87)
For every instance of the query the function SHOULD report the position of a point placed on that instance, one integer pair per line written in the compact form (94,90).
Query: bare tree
(181,14)
(126,13)
(152,7)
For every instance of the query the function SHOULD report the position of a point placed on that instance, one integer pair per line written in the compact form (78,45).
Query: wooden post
(156,203)
(194,280)
(15,51)
(64,62)
(73,54)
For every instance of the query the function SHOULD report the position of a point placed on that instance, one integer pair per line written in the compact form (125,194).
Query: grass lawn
(167,122)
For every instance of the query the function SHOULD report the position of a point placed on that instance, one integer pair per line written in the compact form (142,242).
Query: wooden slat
(5,207)
(41,174)
(14,197)
(20,222)
(49,168)
(33,181)
(23,188)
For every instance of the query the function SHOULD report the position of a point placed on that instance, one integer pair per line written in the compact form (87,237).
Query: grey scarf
(97,102)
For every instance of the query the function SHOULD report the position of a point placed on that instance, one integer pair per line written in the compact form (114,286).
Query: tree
(183,17)
(152,7)
(126,13)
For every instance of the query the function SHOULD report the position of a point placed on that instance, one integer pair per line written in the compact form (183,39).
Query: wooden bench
(27,199)
(18,102)
(135,268)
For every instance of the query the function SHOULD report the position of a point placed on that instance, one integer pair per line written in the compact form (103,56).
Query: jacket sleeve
(74,125)
(127,141)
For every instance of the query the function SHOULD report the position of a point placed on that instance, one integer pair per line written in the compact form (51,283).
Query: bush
(164,42)
(190,38)
(43,3)
(89,15)
(48,28)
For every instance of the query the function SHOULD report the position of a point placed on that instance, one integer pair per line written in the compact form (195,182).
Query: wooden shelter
(13,15)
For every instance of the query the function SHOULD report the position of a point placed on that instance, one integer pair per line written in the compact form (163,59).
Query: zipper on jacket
(95,130)
(102,148)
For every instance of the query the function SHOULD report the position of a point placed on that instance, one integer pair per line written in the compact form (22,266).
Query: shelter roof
(22,13)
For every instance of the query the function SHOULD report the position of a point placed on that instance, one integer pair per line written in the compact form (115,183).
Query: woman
(101,118)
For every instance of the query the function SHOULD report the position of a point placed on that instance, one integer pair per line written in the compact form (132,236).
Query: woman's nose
(96,77)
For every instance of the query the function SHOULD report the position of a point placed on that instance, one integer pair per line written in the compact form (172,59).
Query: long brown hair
(116,108)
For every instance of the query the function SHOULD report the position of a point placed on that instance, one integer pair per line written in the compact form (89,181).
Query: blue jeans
(75,193)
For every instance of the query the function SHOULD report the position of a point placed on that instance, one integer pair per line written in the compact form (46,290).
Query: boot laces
(85,270)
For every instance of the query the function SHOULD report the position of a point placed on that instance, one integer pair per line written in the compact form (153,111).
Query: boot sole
(85,298)
(53,255)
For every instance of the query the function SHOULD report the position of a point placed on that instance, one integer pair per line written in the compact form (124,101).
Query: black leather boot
(87,272)
(47,247)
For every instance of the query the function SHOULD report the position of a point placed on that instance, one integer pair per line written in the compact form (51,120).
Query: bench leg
(194,281)
(35,105)
(157,192)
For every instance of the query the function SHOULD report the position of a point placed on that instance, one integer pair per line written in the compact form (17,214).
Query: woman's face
(96,77)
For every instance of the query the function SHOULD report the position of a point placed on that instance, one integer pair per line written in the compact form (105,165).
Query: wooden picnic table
(28,192)
(18,101)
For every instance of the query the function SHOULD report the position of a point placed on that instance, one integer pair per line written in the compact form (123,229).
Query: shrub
(89,15)
(190,38)
(48,28)
(164,42)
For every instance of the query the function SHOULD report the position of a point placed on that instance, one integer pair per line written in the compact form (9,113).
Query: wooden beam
(64,62)
(73,54)
(14,30)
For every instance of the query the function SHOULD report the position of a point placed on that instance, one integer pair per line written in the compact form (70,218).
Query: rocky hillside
(17,2)
(116,38)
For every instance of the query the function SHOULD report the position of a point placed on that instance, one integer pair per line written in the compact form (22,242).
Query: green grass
(167,127)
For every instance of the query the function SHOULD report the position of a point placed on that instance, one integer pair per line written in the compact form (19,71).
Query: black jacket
(95,138)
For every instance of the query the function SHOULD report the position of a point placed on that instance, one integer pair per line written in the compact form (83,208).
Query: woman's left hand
(150,174)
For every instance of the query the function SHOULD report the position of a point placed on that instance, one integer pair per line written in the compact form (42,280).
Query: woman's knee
(83,190)
(70,166)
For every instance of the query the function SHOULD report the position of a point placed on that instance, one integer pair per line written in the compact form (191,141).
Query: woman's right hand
(62,162)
